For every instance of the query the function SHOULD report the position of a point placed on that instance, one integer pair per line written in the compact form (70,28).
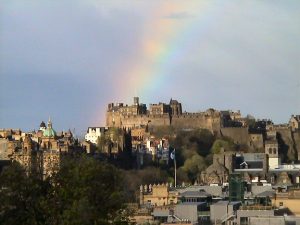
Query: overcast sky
(68,59)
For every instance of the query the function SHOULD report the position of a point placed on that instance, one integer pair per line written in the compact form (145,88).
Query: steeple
(49,123)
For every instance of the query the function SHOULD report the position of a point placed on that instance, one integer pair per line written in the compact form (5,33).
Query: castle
(162,114)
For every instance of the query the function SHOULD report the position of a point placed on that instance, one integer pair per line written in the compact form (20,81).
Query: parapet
(149,188)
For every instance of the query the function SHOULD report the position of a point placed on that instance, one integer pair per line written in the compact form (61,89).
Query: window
(274,151)
(244,220)
(270,151)
(280,203)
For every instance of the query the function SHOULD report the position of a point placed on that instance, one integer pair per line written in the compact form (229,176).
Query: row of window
(272,151)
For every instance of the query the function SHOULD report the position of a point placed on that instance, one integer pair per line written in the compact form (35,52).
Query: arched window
(274,151)
(270,150)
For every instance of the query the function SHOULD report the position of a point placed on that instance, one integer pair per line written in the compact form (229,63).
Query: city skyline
(68,61)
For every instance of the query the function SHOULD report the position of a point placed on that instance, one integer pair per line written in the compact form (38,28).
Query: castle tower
(136,100)
(271,149)
(27,144)
(175,107)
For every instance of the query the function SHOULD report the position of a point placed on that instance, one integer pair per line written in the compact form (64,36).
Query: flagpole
(175,171)
(173,156)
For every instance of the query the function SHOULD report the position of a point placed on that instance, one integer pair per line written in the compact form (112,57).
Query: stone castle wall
(212,123)
(136,120)
(239,135)
(196,121)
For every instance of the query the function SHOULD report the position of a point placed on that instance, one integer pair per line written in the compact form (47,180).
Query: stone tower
(175,108)
(136,100)
(27,144)
(271,149)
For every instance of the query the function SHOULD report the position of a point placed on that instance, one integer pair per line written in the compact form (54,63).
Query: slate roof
(270,193)
(195,194)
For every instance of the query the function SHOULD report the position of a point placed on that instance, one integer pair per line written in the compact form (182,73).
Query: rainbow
(164,42)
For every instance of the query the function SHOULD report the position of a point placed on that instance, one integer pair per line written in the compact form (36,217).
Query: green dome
(49,132)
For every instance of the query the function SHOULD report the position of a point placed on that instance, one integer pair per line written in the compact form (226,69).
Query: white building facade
(93,133)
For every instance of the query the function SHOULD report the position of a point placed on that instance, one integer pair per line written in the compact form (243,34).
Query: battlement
(155,188)
(163,114)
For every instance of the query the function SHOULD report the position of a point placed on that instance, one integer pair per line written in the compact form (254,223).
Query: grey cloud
(63,60)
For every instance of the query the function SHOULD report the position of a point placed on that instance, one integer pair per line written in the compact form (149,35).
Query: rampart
(186,120)
(239,135)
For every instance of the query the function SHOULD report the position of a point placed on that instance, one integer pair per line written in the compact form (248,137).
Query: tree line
(83,191)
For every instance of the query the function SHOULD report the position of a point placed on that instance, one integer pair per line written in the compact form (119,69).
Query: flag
(172,155)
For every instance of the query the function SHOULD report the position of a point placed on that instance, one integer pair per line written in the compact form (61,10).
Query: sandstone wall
(296,136)
(238,134)
(191,122)
(256,141)
(183,121)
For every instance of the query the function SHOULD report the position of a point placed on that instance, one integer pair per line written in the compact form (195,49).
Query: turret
(136,100)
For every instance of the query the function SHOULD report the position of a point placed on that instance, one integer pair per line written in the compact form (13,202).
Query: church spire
(49,123)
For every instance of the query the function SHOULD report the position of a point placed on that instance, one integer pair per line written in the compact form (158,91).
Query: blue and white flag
(172,155)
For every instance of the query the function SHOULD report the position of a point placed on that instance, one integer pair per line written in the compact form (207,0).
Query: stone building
(93,133)
(271,149)
(216,173)
(175,108)
(139,136)
(159,109)
(50,160)
(158,195)
(26,155)
(43,156)
(40,151)
(289,199)
(14,134)
(116,140)
(294,122)
(162,114)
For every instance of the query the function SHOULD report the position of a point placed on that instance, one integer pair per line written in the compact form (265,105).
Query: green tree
(222,143)
(193,166)
(193,141)
(101,142)
(22,197)
(163,131)
(85,192)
